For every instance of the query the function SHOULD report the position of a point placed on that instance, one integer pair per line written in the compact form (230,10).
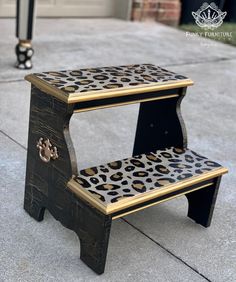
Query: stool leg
(25,17)
(202,203)
(24,53)
(93,230)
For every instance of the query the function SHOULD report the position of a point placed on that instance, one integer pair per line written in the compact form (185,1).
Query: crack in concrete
(13,140)
(167,250)
(165,65)
(201,62)
(13,80)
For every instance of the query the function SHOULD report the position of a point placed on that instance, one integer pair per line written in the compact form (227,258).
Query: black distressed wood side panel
(45,185)
(49,118)
(160,125)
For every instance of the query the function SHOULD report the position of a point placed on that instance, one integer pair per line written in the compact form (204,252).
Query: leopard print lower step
(115,181)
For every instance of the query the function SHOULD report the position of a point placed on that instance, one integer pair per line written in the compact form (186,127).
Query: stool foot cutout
(24,53)
(202,203)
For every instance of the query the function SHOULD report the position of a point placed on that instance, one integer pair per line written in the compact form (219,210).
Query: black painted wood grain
(46,182)
(160,125)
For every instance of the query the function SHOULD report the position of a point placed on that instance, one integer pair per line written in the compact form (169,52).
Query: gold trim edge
(106,93)
(126,203)
(47,88)
(161,201)
(126,91)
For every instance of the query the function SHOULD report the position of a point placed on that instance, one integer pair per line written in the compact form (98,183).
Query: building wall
(164,11)
(72,8)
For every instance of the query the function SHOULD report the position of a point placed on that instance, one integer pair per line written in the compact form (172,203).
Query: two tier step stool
(160,169)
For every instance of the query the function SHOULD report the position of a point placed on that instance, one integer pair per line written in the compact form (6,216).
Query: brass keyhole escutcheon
(46,150)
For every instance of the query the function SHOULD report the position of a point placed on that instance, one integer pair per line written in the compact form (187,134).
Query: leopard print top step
(131,177)
(106,79)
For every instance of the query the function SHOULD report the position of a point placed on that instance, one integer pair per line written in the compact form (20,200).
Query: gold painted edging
(125,103)
(126,203)
(25,43)
(81,192)
(161,201)
(47,88)
(106,93)
(125,91)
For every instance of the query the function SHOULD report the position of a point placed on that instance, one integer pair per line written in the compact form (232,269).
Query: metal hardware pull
(46,150)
